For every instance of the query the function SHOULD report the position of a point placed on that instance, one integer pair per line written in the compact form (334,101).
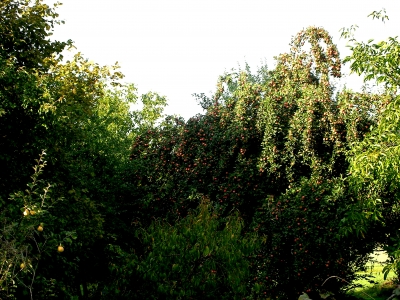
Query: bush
(199,256)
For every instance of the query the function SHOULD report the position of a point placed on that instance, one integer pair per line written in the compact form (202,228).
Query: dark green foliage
(304,246)
(271,155)
(20,130)
(198,257)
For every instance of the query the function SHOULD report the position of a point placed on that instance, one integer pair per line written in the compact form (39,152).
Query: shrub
(200,256)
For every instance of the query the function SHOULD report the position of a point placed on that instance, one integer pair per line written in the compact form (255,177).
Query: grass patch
(374,286)
(380,291)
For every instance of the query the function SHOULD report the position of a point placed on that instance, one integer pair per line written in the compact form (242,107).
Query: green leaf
(304,296)
(206,251)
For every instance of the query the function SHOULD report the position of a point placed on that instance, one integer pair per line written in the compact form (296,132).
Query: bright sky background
(180,47)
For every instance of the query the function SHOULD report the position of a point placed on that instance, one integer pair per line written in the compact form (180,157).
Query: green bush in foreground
(198,257)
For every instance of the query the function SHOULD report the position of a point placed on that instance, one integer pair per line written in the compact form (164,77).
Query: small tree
(26,239)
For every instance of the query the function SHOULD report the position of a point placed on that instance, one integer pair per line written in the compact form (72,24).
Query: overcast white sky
(180,47)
